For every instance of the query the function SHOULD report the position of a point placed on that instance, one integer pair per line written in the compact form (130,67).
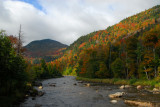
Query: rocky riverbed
(67,92)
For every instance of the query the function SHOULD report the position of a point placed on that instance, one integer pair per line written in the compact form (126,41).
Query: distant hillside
(41,48)
(127,27)
(128,49)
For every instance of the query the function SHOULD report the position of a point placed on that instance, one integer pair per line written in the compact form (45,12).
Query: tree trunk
(19,41)
(110,57)
(155,71)
(127,72)
(146,73)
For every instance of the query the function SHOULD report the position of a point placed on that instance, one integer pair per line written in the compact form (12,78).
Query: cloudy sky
(65,20)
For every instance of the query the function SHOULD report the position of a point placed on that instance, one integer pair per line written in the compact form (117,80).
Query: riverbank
(135,82)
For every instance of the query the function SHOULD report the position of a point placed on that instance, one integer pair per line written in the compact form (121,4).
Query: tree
(150,60)
(117,68)
(13,75)
(131,47)
(103,71)
(17,42)
(45,71)
(19,46)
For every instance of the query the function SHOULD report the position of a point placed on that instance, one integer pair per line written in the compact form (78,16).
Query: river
(70,93)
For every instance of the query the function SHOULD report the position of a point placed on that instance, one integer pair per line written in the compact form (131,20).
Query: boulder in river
(156,91)
(117,95)
(38,105)
(40,87)
(33,98)
(139,103)
(88,84)
(52,85)
(139,87)
(26,95)
(113,101)
(124,86)
(40,93)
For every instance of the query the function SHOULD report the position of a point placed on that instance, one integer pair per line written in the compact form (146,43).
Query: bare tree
(19,45)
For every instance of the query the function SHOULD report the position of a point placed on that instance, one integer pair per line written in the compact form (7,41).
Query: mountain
(128,49)
(129,26)
(45,47)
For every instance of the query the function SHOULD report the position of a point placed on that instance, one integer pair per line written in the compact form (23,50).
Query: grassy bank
(153,83)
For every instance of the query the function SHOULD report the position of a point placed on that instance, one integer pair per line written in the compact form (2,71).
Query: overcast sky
(65,20)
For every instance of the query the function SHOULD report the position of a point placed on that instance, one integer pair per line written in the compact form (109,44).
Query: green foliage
(132,81)
(68,71)
(13,75)
(117,68)
(103,71)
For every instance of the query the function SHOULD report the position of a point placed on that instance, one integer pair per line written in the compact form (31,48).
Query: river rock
(88,85)
(113,101)
(74,84)
(117,95)
(139,87)
(26,95)
(40,87)
(37,83)
(155,89)
(40,93)
(128,86)
(38,105)
(52,85)
(33,98)
(124,86)
(80,81)
(139,103)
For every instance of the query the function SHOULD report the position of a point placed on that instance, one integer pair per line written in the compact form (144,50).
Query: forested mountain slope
(129,49)
(41,48)
(124,28)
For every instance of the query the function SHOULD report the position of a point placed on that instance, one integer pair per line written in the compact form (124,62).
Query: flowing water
(70,93)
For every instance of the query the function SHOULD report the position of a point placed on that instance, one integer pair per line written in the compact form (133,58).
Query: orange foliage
(82,45)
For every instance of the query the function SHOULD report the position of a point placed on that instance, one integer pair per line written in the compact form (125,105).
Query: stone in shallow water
(88,85)
(52,85)
(38,105)
(40,93)
(139,87)
(124,86)
(117,95)
(33,98)
(139,103)
(40,87)
(74,84)
(113,101)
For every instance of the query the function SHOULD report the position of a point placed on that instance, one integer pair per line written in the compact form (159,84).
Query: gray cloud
(66,20)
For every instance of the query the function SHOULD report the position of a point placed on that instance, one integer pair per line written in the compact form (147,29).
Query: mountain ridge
(44,47)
